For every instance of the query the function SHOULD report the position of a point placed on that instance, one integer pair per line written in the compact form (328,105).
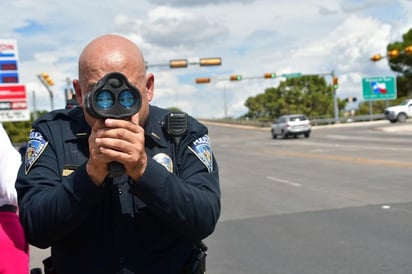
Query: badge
(202,149)
(164,160)
(35,147)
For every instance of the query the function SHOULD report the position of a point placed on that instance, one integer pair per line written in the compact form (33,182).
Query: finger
(135,119)
(120,123)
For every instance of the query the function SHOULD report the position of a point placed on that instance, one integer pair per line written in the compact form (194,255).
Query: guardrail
(314,120)
(350,119)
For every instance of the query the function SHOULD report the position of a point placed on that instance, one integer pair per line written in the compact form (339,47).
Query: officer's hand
(97,165)
(122,141)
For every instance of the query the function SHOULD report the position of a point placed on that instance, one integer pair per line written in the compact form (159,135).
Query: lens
(104,99)
(127,99)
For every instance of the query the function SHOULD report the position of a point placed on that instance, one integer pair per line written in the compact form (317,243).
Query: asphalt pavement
(37,255)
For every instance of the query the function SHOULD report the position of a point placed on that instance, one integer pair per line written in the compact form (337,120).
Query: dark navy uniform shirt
(148,226)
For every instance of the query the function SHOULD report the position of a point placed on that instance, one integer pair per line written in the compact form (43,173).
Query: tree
(402,64)
(19,131)
(309,95)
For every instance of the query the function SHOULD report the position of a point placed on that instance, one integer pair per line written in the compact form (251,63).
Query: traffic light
(216,61)
(335,83)
(235,77)
(181,63)
(47,79)
(204,80)
(269,75)
(376,58)
(393,53)
(351,99)
(408,50)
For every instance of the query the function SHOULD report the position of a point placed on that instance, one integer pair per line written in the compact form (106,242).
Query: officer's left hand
(124,142)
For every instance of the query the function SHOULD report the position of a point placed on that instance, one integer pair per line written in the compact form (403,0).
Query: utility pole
(335,98)
(34,106)
(46,80)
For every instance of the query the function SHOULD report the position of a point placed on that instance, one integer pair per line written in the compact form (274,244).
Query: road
(337,202)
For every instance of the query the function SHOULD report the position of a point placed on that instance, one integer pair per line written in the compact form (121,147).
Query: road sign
(379,88)
(13,103)
(292,75)
(13,97)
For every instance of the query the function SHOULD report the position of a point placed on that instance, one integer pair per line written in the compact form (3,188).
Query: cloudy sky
(251,37)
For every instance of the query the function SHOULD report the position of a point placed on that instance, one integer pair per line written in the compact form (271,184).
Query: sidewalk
(397,128)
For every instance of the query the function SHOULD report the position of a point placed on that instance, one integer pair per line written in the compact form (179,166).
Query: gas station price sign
(13,96)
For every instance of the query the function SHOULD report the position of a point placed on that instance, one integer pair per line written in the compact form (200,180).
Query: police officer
(144,221)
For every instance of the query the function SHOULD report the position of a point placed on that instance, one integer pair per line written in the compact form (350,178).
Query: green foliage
(309,95)
(19,131)
(402,65)
(174,109)
(377,106)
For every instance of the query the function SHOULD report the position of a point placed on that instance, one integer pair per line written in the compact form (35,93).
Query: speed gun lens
(104,99)
(126,99)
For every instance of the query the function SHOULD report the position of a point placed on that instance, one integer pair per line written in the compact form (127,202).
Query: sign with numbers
(13,96)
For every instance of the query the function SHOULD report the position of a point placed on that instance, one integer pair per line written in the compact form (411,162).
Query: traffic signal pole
(272,75)
(42,80)
(334,87)
(335,98)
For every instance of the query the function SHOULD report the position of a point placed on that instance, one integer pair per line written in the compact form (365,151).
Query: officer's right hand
(97,165)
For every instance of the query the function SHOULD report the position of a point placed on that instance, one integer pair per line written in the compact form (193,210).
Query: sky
(251,37)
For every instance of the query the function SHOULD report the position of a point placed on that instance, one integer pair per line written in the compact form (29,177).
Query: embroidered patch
(35,147)
(164,160)
(202,149)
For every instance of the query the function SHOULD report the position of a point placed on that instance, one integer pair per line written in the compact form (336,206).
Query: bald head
(110,53)
(113,53)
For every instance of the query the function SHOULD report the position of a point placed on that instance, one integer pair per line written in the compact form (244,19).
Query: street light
(216,61)
(180,63)
(204,80)
(392,54)
(335,82)
(183,63)
(269,75)
(235,77)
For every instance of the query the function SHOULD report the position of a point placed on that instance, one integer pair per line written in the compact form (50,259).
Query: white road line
(283,181)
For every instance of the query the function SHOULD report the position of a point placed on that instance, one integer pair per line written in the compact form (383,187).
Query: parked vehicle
(400,112)
(291,125)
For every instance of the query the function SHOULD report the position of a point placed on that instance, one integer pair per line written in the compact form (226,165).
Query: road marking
(286,182)
(351,159)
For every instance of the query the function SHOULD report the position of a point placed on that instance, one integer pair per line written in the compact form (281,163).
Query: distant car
(399,113)
(291,125)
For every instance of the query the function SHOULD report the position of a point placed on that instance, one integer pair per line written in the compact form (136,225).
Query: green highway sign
(379,88)
(292,75)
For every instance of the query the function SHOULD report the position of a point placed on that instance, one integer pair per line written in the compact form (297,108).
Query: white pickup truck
(399,113)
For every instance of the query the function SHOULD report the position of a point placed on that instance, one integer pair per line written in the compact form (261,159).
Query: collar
(154,125)
(79,127)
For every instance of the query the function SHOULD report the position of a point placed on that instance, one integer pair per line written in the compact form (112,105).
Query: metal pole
(224,99)
(34,106)
(335,100)
(49,90)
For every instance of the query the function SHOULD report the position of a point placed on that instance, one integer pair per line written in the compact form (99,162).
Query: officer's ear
(78,90)
(149,86)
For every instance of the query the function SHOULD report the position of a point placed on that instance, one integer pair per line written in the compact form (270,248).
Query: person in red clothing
(14,249)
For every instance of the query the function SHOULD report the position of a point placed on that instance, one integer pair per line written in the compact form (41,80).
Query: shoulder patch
(35,147)
(202,149)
